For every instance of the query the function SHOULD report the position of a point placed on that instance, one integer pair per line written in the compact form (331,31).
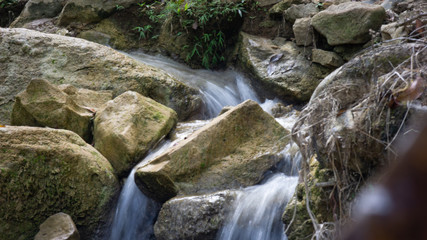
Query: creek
(257,210)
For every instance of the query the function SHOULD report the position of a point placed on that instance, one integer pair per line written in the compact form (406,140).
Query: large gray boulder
(26,54)
(45,105)
(279,66)
(58,227)
(38,9)
(193,217)
(128,126)
(234,150)
(348,23)
(44,171)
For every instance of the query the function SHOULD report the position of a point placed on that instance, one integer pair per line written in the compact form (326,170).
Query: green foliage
(143,31)
(200,20)
(7,3)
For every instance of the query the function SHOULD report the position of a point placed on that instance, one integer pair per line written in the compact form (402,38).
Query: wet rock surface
(193,217)
(233,150)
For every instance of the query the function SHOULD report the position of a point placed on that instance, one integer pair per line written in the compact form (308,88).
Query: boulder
(38,9)
(326,58)
(279,66)
(82,11)
(58,227)
(88,99)
(27,54)
(44,171)
(303,32)
(43,104)
(300,11)
(349,104)
(348,23)
(276,12)
(128,126)
(234,150)
(193,217)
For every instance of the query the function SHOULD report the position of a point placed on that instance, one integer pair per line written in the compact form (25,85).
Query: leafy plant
(143,31)
(200,20)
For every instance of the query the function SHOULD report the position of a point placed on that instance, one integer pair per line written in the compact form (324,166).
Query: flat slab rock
(232,151)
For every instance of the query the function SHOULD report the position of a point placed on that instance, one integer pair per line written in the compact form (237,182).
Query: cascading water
(218,88)
(135,213)
(257,210)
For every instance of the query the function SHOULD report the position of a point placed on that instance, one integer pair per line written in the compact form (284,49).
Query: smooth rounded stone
(348,23)
(193,217)
(234,150)
(279,67)
(128,126)
(44,171)
(83,11)
(303,32)
(300,11)
(38,9)
(65,60)
(45,105)
(326,58)
(58,227)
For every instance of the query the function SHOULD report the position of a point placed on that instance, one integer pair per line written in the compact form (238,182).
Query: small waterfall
(257,212)
(218,88)
(135,213)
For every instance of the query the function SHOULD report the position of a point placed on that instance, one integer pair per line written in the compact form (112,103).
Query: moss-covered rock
(234,150)
(45,171)
(128,126)
(43,104)
(279,67)
(296,217)
(27,54)
(348,23)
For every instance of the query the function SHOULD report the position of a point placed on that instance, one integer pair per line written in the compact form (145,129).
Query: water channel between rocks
(257,210)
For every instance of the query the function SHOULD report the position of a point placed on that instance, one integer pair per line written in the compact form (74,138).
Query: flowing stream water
(257,210)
